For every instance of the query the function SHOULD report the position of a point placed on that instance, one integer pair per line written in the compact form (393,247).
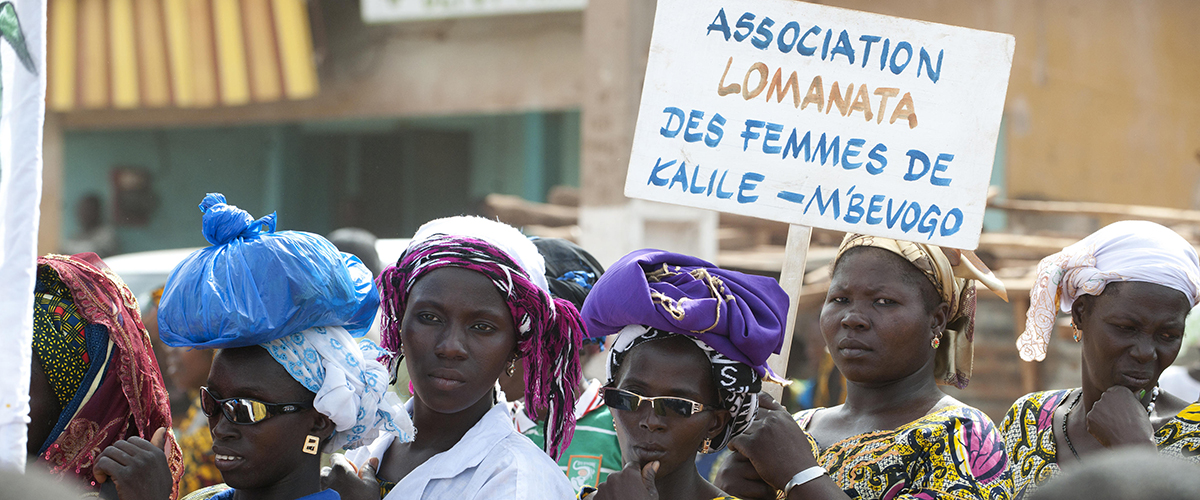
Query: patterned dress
(1028,431)
(953,453)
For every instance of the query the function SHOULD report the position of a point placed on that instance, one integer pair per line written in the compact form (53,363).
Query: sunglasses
(245,411)
(620,399)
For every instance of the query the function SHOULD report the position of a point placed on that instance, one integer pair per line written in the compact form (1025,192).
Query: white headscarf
(1123,251)
(351,387)
(498,234)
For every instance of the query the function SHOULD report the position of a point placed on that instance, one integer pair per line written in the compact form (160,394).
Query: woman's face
(458,337)
(877,319)
(1130,333)
(270,451)
(670,367)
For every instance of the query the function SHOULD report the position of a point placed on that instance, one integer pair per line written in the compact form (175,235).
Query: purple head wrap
(736,319)
(739,315)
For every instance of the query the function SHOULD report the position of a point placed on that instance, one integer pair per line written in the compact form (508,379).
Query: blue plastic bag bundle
(254,285)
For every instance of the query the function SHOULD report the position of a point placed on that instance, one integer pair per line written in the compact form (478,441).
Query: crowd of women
(472,301)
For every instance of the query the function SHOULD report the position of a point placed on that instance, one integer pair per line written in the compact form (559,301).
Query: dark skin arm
(341,477)
(632,482)
(137,467)
(768,454)
(1119,419)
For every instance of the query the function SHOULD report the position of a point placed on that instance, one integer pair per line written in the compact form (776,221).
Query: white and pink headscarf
(1123,251)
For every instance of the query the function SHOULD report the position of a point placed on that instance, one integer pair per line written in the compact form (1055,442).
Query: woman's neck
(686,483)
(441,431)
(914,393)
(299,483)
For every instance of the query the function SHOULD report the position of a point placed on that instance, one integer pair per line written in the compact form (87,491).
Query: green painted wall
(309,170)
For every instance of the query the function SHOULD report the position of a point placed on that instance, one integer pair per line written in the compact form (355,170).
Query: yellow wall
(1104,98)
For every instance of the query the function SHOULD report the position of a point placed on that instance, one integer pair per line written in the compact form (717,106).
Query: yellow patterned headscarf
(59,337)
(955,284)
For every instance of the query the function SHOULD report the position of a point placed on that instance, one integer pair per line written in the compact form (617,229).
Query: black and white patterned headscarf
(737,319)
(737,383)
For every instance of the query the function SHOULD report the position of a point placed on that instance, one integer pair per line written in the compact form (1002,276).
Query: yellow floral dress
(953,453)
(1028,430)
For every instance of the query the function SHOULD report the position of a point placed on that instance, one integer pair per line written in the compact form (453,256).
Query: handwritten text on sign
(821,116)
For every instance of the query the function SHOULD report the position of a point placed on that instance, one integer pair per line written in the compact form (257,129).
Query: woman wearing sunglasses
(898,320)
(689,357)
(466,301)
(289,380)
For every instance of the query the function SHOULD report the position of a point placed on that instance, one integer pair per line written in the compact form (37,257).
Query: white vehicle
(146,271)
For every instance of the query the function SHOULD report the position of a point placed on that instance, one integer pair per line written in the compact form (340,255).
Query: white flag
(22,113)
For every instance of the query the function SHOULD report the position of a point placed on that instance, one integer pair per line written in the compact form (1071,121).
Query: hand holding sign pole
(820,116)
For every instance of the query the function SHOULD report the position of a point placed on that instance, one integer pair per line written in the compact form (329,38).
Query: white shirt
(491,461)
(1177,381)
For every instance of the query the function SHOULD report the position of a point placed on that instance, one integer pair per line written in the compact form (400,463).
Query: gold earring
(937,341)
(511,367)
(310,444)
(707,446)
(1076,329)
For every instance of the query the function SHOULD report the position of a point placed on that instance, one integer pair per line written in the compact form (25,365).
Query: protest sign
(821,116)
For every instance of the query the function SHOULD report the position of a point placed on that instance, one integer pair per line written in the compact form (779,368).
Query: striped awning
(128,54)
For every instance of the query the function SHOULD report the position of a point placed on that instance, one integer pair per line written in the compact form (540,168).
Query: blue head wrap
(254,285)
(297,296)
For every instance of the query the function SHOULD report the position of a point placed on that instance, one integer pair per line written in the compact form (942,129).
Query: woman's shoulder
(949,414)
(803,417)
(1191,413)
(213,492)
(521,451)
(515,456)
(1041,399)
(956,422)
(1180,435)
(1036,409)
(375,449)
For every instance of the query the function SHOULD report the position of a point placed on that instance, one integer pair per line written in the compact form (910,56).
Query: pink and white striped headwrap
(549,330)
(1123,251)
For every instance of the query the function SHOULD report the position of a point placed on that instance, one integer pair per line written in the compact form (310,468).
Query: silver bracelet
(804,476)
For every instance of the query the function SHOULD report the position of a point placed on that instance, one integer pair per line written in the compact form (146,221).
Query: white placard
(387,11)
(821,116)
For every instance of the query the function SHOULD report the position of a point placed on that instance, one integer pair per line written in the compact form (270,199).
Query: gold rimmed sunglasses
(621,399)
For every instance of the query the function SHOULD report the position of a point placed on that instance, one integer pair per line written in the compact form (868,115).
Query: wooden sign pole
(791,278)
